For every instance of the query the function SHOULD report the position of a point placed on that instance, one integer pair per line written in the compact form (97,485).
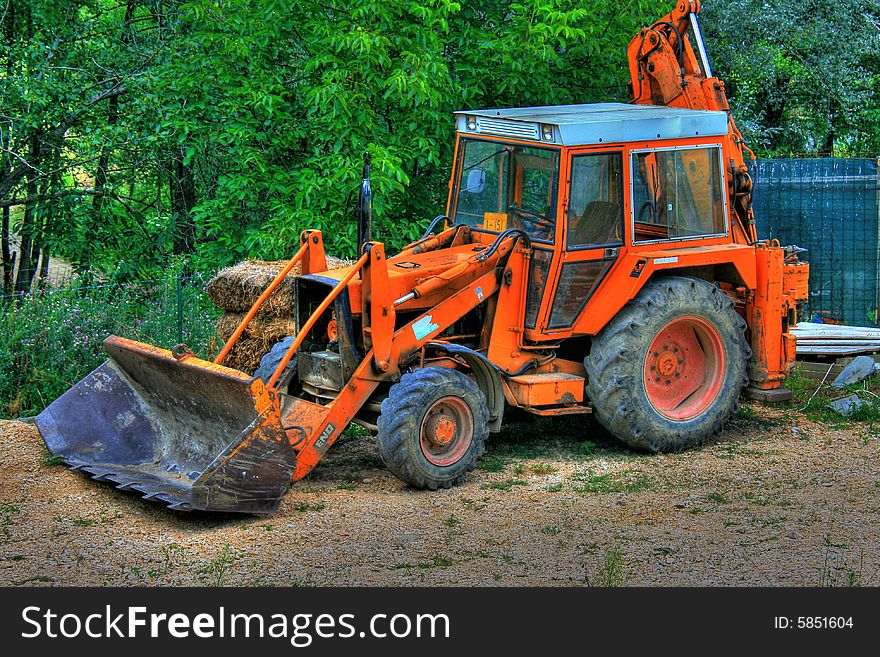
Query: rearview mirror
(476,181)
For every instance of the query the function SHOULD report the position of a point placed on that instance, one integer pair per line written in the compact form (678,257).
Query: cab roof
(598,123)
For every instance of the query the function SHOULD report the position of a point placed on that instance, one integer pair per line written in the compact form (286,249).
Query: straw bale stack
(235,289)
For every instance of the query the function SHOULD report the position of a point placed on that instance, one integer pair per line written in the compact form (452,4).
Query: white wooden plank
(833,331)
(832,350)
(834,338)
(839,343)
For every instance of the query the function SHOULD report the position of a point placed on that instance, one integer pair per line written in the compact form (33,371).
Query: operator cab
(585,182)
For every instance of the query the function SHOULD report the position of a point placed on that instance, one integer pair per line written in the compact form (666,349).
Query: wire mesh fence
(831,207)
(51,338)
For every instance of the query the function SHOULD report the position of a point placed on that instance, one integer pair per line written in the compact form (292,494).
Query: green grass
(505,485)
(303,507)
(811,397)
(217,569)
(48,461)
(7,512)
(612,482)
(526,436)
(611,574)
(586,448)
(83,522)
(51,339)
(492,464)
(748,414)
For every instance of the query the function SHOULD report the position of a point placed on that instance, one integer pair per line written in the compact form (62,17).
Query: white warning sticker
(424,327)
(663,261)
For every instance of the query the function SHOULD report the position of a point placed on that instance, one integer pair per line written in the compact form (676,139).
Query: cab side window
(677,194)
(595,211)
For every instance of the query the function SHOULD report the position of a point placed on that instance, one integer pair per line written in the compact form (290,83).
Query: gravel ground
(779,500)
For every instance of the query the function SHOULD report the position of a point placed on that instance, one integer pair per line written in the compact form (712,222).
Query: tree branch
(75,192)
(11,179)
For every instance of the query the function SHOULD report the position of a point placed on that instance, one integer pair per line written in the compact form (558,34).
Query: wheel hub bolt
(444,431)
(667,363)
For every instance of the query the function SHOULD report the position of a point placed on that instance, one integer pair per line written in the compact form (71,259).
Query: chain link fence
(831,207)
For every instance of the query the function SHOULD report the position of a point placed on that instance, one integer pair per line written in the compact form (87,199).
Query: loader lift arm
(322,424)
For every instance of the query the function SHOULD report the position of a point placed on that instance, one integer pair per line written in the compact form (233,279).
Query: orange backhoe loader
(593,259)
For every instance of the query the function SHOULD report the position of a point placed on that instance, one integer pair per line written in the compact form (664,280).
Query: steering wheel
(647,205)
(532,217)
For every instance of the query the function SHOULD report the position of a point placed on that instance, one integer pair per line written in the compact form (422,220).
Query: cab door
(593,233)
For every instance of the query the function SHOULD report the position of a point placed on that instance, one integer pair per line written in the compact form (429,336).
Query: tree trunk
(35,243)
(183,200)
(8,260)
(44,266)
(94,219)
(828,145)
(25,264)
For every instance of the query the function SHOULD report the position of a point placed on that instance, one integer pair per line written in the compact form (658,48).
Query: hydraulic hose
(488,253)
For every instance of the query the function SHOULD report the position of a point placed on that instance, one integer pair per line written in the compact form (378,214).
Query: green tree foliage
(135,132)
(803,77)
(218,129)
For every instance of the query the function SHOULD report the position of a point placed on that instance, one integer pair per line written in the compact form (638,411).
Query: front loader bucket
(185,431)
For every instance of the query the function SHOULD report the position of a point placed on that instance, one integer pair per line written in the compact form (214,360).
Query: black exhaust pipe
(365,206)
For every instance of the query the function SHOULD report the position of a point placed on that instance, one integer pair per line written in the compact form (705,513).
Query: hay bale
(266,328)
(246,354)
(235,289)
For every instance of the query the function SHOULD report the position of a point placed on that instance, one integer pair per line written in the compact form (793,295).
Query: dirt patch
(58,271)
(779,501)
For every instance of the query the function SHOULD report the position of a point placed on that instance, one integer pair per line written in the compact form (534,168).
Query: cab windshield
(503,186)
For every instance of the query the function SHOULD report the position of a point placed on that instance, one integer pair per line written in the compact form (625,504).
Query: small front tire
(272,359)
(433,428)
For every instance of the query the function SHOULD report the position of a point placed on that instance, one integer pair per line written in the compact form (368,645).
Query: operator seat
(599,224)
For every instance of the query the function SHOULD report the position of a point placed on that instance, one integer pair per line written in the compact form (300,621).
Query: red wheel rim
(447,431)
(684,368)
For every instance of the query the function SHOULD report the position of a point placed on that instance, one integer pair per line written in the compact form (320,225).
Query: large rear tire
(433,428)
(666,373)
